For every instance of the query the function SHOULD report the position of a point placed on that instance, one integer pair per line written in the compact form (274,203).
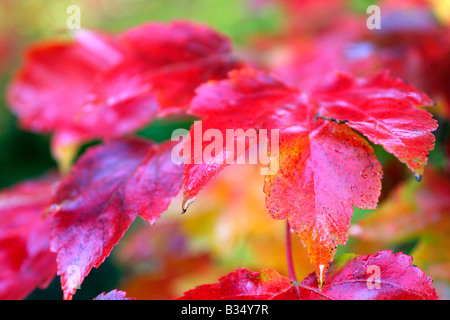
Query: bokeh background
(228,226)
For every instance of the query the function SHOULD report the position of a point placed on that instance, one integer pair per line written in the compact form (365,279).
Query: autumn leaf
(103,86)
(347,279)
(113,295)
(244,284)
(383,276)
(25,257)
(178,57)
(325,168)
(224,98)
(106,190)
(384,110)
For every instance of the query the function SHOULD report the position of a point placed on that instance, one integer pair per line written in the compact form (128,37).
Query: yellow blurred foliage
(441,9)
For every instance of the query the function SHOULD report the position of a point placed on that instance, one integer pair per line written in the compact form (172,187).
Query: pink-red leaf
(383,276)
(323,174)
(246,101)
(25,258)
(102,86)
(107,188)
(244,284)
(384,110)
(178,57)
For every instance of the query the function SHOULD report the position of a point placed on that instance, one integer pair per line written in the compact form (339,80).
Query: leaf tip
(64,154)
(321,270)
(186,203)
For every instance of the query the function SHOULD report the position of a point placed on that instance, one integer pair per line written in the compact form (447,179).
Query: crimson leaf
(25,257)
(107,189)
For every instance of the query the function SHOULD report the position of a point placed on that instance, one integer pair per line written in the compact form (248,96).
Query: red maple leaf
(325,168)
(384,110)
(384,276)
(25,258)
(102,86)
(108,187)
(244,284)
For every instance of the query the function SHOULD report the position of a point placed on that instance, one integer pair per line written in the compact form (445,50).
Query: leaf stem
(290,261)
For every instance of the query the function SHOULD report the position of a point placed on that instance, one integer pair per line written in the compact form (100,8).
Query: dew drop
(363,174)
(186,204)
